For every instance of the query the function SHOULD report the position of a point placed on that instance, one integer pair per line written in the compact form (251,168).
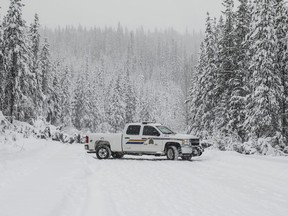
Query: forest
(228,85)
(239,91)
(94,79)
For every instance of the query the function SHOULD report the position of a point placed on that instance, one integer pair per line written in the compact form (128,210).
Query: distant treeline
(96,79)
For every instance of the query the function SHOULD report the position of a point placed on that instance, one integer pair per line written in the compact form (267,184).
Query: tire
(117,155)
(103,152)
(186,157)
(172,153)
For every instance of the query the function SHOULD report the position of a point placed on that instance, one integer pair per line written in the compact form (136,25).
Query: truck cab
(144,138)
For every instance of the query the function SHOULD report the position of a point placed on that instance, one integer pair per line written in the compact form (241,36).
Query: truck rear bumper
(89,150)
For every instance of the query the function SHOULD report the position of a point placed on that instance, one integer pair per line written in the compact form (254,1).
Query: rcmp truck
(144,138)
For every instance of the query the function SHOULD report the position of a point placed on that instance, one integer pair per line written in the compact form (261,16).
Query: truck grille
(194,142)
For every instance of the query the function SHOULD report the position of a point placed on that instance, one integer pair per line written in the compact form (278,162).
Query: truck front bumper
(192,150)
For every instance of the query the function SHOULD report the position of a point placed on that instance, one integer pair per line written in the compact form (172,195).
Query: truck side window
(133,130)
(150,131)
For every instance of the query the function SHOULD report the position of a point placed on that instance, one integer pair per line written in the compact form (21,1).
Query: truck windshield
(165,130)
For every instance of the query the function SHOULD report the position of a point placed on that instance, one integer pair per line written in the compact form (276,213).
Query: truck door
(132,141)
(151,136)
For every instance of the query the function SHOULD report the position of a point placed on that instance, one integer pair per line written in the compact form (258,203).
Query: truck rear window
(133,130)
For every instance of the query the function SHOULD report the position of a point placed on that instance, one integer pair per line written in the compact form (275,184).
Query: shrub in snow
(246,148)
(265,146)
(206,143)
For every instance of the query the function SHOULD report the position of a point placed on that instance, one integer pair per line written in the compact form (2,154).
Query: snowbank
(12,136)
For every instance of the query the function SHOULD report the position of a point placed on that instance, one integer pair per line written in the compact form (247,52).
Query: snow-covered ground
(45,178)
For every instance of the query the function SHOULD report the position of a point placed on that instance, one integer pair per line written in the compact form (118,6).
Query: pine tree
(78,103)
(116,109)
(202,95)
(2,68)
(52,109)
(194,99)
(130,100)
(207,80)
(239,81)
(281,61)
(88,105)
(20,84)
(226,68)
(35,66)
(99,96)
(262,107)
(66,97)
(45,66)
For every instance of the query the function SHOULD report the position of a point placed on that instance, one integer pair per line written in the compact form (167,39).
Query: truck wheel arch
(102,142)
(168,144)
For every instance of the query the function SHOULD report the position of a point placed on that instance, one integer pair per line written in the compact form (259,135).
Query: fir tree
(226,68)
(116,110)
(45,66)
(66,98)
(202,94)
(239,82)
(262,107)
(20,84)
(281,61)
(130,100)
(35,67)
(2,68)
(52,109)
(78,103)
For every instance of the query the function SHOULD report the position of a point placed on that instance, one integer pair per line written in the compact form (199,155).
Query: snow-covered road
(52,179)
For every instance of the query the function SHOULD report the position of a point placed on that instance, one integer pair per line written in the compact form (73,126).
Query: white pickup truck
(144,138)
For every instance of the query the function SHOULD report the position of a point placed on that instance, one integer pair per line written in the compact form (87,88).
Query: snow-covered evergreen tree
(2,68)
(130,100)
(239,80)
(281,61)
(78,103)
(226,67)
(194,99)
(116,108)
(66,97)
(35,64)
(52,107)
(262,107)
(45,66)
(20,85)
(203,94)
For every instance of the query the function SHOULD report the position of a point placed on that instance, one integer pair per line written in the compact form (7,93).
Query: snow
(56,179)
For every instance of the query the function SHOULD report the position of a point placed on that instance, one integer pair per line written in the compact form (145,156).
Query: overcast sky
(179,14)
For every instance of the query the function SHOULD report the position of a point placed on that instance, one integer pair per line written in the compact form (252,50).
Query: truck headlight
(185,142)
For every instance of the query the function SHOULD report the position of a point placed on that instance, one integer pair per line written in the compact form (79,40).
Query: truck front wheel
(172,153)
(103,152)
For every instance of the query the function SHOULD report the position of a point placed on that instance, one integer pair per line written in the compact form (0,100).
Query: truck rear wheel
(103,152)
(172,153)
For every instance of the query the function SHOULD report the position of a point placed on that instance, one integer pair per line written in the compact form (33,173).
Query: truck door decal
(132,142)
